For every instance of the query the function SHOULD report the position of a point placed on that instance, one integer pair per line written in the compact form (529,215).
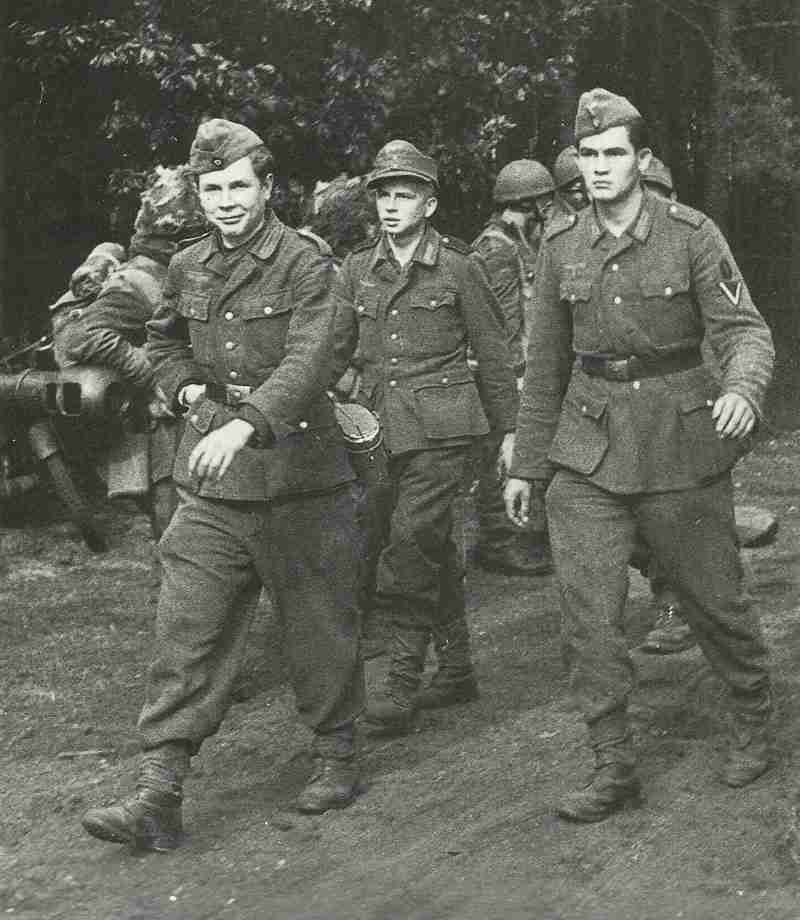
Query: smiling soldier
(411,304)
(635,434)
(242,342)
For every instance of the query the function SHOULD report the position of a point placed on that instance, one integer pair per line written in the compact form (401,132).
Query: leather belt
(227,393)
(634,367)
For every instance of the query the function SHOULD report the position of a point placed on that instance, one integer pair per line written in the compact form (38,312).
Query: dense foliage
(103,90)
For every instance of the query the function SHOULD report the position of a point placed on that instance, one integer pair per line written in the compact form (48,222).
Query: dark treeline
(102,91)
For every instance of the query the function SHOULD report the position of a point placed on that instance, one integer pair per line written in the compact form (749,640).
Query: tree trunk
(718,192)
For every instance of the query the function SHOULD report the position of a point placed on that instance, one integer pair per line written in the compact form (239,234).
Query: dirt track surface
(456,820)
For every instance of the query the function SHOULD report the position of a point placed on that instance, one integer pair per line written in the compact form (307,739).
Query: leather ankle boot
(392,713)
(454,681)
(151,818)
(334,779)
(614,783)
(750,747)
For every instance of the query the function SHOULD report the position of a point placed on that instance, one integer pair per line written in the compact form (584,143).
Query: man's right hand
(517,497)
(191,393)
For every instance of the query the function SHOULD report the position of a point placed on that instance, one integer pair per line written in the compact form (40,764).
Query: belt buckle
(617,369)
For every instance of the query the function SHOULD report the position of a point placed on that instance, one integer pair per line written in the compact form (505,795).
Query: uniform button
(445,380)
(392,383)
(529,275)
(395,312)
(617,300)
(268,310)
(615,267)
(668,291)
(194,419)
(583,409)
(303,424)
(573,218)
(709,402)
(434,303)
(673,209)
(572,298)
(445,239)
(394,360)
(229,315)
(636,384)
(229,346)
(234,375)
(361,309)
(393,336)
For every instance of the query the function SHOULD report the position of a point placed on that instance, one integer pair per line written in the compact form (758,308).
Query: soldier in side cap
(634,434)
(508,244)
(411,303)
(242,342)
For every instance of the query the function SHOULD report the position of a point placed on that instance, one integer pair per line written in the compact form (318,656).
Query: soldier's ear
(643,157)
(266,184)
(431,205)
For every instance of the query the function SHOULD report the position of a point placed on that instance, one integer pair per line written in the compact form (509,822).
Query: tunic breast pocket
(194,307)
(436,316)
(266,316)
(668,307)
(575,292)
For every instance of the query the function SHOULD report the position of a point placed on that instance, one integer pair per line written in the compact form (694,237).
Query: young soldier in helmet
(523,197)
(571,194)
(658,179)
(634,434)
(243,339)
(411,303)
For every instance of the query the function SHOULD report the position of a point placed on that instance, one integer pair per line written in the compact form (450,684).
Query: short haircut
(262,161)
(638,134)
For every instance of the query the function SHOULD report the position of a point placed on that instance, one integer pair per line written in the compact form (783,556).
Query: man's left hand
(505,455)
(734,416)
(213,455)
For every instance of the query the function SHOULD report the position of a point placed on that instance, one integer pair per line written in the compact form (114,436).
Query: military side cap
(599,110)
(400,158)
(218,143)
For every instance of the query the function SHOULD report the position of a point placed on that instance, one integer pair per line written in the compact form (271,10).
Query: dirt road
(455,822)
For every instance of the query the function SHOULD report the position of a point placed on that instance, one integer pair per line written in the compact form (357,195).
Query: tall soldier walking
(410,305)
(620,413)
(244,339)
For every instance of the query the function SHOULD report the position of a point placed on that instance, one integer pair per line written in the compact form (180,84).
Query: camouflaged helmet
(522,179)
(170,206)
(658,173)
(89,277)
(565,168)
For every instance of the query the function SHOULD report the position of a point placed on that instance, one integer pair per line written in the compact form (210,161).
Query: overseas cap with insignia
(399,158)
(218,143)
(599,110)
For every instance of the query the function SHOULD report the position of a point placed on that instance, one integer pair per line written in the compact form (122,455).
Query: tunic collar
(638,229)
(262,245)
(427,251)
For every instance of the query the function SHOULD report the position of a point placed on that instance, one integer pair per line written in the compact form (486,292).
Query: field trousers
(692,533)
(216,554)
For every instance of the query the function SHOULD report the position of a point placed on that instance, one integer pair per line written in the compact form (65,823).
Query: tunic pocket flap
(668,287)
(590,406)
(450,410)
(201,417)
(693,401)
(432,300)
(194,305)
(266,304)
(574,291)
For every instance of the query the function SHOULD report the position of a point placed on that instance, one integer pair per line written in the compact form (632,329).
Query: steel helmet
(659,174)
(522,179)
(565,168)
